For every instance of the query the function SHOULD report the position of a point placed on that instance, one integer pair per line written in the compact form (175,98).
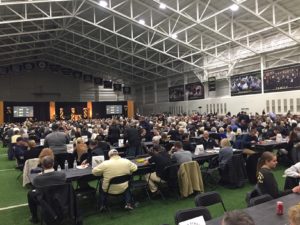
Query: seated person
(80,151)
(292,176)
(294,215)
(250,139)
(174,134)
(180,155)
(48,177)
(225,153)
(266,182)
(230,134)
(161,159)
(165,142)
(45,152)
(273,134)
(32,151)
(156,140)
(115,166)
(186,144)
(103,145)
(94,150)
(222,133)
(207,142)
(20,148)
(237,217)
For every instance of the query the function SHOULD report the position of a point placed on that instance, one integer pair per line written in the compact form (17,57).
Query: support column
(262,67)
(89,106)
(52,111)
(130,109)
(1,112)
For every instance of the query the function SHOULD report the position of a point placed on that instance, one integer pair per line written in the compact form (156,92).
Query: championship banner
(194,91)
(245,84)
(282,79)
(176,93)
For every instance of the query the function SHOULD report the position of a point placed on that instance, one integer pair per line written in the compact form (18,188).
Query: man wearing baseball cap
(114,167)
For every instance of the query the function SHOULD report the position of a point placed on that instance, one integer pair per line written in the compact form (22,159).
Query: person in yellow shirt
(115,166)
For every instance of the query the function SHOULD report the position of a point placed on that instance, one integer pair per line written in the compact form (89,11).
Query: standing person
(114,133)
(132,135)
(115,166)
(265,179)
(58,141)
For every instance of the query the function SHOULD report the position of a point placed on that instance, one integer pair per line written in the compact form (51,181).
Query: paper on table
(70,148)
(195,221)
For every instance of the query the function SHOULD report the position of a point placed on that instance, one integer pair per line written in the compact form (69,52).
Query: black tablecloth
(265,213)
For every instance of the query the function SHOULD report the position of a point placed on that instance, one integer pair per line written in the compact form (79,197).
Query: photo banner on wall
(194,91)
(282,79)
(246,84)
(176,93)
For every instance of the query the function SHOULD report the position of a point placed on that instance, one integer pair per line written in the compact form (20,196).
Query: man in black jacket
(49,177)
(133,137)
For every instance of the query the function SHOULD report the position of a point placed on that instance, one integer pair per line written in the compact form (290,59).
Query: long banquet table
(75,174)
(265,213)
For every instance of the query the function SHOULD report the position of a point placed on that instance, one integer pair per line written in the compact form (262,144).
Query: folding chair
(113,181)
(260,199)
(187,214)
(57,204)
(209,198)
(142,183)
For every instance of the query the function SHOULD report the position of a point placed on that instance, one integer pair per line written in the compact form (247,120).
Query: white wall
(220,101)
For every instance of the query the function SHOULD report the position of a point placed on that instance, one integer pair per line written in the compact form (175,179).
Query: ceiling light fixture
(234,7)
(162,6)
(174,36)
(103,3)
(141,21)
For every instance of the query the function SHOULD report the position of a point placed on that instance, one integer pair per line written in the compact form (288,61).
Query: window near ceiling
(285,105)
(292,105)
(279,105)
(273,105)
(268,105)
(298,104)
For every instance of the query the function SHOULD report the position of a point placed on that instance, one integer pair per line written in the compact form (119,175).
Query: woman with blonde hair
(80,151)
(294,215)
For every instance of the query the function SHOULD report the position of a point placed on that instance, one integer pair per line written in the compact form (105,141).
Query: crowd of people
(174,139)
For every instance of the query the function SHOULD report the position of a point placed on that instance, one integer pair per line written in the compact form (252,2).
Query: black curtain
(99,109)
(40,111)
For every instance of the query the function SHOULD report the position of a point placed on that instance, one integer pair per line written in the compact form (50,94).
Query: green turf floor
(153,212)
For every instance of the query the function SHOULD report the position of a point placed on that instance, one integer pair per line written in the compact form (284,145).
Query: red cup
(279,208)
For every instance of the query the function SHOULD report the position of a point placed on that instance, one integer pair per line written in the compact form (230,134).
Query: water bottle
(58,168)
(66,165)
(74,164)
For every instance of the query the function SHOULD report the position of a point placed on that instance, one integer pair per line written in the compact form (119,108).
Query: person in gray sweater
(58,141)
(179,154)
